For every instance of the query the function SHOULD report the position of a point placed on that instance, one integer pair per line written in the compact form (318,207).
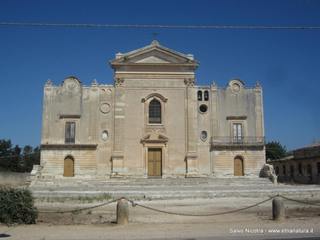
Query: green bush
(17,206)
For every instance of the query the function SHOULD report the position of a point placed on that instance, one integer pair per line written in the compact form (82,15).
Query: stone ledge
(68,146)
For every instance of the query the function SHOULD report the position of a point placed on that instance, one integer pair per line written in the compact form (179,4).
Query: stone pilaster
(192,164)
(119,118)
(259,111)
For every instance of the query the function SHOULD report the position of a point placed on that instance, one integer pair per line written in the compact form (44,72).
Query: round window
(104,135)
(203,108)
(204,135)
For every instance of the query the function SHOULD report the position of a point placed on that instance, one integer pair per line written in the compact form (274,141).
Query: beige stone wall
(224,162)
(85,163)
(120,112)
(136,127)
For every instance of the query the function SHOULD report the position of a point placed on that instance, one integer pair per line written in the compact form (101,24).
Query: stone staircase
(169,188)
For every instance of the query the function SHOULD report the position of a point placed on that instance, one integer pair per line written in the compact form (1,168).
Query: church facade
(154,121)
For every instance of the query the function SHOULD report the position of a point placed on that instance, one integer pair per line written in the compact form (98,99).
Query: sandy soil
(302,221)
(248,229)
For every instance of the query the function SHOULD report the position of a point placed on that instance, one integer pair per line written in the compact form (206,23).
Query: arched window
(206,95)
(199,95)
(155,111)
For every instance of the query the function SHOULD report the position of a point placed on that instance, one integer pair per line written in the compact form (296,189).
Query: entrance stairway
(169,188)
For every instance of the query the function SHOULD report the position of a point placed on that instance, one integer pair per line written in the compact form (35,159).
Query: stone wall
(253,160)
(302,167)
(14,178)
(85,162)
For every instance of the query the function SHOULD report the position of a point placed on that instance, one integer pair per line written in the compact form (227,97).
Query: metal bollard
(122,211)
(278,209)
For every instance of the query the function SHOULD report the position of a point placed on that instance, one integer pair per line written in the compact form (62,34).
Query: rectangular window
(237,132)
(70,132)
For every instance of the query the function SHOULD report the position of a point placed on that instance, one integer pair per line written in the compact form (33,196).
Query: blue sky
(285,62)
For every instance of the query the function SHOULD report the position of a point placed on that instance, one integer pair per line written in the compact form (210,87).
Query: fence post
(122,211)
(278,209)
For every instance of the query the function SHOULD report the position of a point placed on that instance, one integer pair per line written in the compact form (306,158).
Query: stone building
(302,166)
(154,121)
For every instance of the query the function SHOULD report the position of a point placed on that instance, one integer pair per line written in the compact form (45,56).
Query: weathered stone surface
(196,136)
(278,209)
(122,212)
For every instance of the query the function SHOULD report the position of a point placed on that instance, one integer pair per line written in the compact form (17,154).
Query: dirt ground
(235,229)
(256,223)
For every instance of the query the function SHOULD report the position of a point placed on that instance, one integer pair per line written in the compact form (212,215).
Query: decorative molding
(236,117)
(69,116)
(119,82)
(189,82)
(152,95)
(258,85)
(94,83)
(191,156)
(68,146)
(236,85)
(105,108)
(149,138)
(48,83)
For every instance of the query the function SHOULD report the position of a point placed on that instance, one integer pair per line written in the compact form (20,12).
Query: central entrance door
(154,162)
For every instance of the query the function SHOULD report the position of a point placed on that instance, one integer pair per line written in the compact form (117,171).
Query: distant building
(153,122)
(303,166)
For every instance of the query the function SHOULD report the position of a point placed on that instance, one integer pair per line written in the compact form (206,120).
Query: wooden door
(68,167)
(238,166)
(154,162)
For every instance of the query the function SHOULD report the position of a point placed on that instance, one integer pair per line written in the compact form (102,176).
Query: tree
(5,151)
(30,157)
(274,150)
(11,158)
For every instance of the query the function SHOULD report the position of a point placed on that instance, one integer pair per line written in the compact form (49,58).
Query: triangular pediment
(152,59)
(153,54)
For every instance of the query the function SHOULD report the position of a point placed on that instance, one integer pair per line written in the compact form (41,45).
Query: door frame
(164,156)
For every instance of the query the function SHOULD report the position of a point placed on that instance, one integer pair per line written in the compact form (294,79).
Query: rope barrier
(134,204)
(300,201)
(199,215)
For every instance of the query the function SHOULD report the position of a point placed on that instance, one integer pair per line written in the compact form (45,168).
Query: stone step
(166,188)
(158,182)
(179,194)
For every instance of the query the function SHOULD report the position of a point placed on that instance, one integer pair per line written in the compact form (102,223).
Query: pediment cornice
(154,54)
